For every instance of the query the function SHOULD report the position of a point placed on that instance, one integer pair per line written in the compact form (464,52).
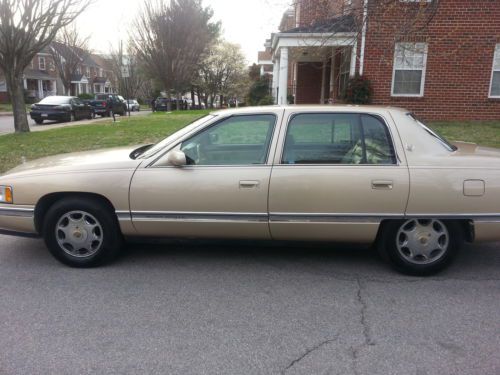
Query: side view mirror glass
(176,158)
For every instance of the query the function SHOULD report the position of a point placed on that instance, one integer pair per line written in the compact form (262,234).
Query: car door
(221,193)
(336,177)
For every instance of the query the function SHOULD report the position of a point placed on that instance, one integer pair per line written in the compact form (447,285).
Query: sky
(246,22)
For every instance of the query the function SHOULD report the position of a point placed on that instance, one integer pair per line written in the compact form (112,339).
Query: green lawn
(486,133)
(151,128)
(7,107)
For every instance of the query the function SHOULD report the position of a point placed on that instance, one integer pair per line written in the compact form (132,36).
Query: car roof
(313,108)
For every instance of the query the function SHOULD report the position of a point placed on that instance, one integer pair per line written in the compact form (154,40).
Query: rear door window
(337,138)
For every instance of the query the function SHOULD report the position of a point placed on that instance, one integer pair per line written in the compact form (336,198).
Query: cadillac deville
(371,175)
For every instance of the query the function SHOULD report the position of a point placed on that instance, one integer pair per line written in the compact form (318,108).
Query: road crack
(367,335)
(307,353)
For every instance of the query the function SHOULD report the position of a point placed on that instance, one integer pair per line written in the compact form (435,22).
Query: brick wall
(461,41)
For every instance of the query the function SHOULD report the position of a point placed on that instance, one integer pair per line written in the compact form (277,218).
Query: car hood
(115,158)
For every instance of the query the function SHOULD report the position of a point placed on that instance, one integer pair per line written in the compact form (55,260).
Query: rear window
(55,100)
(438,137)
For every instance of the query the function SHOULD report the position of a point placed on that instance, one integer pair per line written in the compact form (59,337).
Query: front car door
(337,176)
(221,193)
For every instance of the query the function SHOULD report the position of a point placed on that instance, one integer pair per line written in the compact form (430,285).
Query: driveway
(7,123)
(246,308)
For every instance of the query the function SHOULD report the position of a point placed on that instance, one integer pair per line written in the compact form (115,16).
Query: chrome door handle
(382,185)
(249,184)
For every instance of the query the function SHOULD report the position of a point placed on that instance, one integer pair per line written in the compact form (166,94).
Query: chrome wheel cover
(79,234)
(422,241)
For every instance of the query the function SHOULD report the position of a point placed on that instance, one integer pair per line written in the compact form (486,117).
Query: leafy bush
(86,96)
(266,100)
(259,90)
(359,90)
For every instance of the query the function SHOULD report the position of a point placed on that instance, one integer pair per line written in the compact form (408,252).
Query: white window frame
(424,71)
(40,59)
(494,70)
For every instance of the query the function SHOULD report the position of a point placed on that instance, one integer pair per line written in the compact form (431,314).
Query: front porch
(311,67)
(37,89)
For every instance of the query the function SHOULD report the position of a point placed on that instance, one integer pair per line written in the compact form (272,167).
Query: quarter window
(238,140)
(495,77)
(337,139)
(410,60)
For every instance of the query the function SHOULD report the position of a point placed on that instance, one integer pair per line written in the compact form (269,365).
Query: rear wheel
(420,246)
(72,117)
(39,122)
(82,232)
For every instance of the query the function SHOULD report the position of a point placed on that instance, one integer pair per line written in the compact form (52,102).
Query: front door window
(237,140)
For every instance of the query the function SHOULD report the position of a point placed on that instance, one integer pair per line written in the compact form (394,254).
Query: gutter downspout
(363,37)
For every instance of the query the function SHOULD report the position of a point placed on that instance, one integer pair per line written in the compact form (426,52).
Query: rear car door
(336,177)
(221,193)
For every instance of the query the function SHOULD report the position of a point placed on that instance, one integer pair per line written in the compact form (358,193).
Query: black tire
(39,122)
(388,247)
(111,237)
(72,117)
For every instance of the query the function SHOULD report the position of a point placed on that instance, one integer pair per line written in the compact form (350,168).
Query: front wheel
(420,246)
(82,232)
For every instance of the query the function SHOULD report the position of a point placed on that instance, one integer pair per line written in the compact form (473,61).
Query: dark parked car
(107,104)
(60,108)
(163,103)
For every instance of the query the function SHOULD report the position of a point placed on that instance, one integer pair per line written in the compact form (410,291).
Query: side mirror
(176,158)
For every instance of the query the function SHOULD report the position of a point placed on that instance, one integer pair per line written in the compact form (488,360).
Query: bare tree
(68,51)
(26,28)
(133,84)
(223,72)
(171,37)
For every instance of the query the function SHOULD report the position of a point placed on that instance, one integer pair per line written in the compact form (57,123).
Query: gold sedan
(322,173)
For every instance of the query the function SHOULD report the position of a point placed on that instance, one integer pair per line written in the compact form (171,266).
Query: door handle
(249,184)
(382,184)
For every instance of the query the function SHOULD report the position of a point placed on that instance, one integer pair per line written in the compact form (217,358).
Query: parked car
(133,105)
(325,173)
(163,103)
(106,104)
(60,108)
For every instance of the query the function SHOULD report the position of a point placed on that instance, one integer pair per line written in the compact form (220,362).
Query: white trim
(424,71)
(363,38)
(493,71)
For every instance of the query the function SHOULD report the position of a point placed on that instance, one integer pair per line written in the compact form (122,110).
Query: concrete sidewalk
(7,122)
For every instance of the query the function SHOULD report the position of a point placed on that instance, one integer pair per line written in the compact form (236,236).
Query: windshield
(446,144)
(159,146)
(55,100)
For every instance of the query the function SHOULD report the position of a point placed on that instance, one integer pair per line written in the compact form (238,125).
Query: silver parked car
(133,105)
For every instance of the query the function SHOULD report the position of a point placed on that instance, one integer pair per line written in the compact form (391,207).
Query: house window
(410,60)
(87,73)
(495,75)
(41,63)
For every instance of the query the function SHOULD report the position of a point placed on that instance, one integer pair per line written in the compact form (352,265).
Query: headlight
(5,194)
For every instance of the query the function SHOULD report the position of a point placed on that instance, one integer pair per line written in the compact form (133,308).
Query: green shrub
(266,100)
(359,90)
(259,90)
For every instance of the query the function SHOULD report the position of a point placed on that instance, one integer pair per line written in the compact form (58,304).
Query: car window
(337,138)
(237,140)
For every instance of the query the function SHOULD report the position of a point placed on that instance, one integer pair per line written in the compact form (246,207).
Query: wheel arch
(45,202)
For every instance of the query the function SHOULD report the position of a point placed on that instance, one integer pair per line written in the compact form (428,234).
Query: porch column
(323,83)
(332,77)
(25,84)
(354,53)
(40,89)
(276,69)
(262,70)
(283,77)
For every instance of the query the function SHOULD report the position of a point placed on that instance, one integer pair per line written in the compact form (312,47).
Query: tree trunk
(16,91)
(222,101)
(193,104)
(199,98)
(178,102)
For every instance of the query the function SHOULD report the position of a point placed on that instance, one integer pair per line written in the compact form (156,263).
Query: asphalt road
(245,308)
(7,123)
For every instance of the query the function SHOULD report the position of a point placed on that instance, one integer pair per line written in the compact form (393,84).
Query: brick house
(41,78)
(439,59)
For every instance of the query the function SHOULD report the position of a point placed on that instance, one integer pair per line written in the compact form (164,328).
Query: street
(7,122)
(246,308)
